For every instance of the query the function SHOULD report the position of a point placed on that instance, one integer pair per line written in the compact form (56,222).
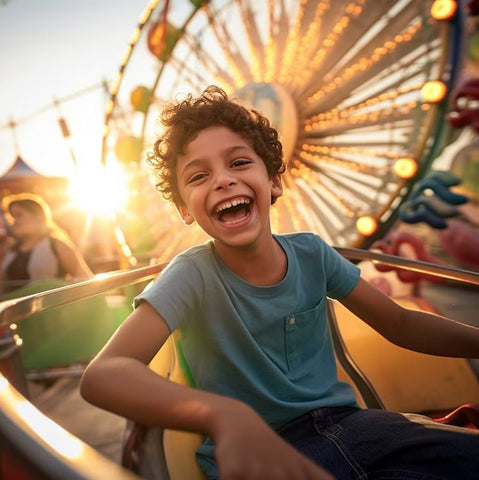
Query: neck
(260,266)
(28,242)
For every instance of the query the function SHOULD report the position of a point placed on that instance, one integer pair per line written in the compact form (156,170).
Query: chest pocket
(306,337)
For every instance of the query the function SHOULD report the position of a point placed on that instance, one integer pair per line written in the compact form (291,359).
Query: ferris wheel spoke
(255,43)
(325,207)
(361,156)
(355,123)
(338,89)
(232,53)
(364,159)
(320,186)
(390,85)
(303,42)
(359,166)
(361,188)
(333,45)
(366,65)
(393,134)
(277,34)
(355,177)
(204,60)
(287,217)
(190,75)
(291,45)
(297,209)
(346,37)
(332,123)
(391,144)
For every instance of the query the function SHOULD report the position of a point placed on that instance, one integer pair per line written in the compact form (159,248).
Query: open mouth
(234,211)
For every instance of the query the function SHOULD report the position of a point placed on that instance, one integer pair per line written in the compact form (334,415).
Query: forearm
(413,329)
(128,388)
(436,335)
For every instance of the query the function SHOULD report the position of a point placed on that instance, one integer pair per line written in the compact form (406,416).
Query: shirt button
(292,321)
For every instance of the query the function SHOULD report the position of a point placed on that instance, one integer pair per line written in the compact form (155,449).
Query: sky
(51,50)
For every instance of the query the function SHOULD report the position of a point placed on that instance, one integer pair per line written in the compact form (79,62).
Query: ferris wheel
(356,88)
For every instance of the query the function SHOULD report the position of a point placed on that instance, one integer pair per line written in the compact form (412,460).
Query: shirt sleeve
(176,292)
(342,275)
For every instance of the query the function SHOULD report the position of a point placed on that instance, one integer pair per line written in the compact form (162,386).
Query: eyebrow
(226,151)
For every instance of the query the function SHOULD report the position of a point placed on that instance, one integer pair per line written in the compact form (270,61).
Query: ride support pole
(11,363)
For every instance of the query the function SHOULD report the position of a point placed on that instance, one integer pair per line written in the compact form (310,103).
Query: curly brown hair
(183,122)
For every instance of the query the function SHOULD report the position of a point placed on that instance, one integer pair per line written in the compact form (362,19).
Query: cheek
(195,196)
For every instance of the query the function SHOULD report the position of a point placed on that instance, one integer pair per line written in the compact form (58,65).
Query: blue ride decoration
(422,206)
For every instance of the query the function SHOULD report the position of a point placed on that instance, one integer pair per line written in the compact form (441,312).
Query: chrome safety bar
(442,271)
(39,448)
(15,310)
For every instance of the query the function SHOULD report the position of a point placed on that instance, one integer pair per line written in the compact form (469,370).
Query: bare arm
(72,261)
(119,380)
(413,329)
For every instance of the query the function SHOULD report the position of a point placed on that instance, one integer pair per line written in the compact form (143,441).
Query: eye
(240,162)
(196,177)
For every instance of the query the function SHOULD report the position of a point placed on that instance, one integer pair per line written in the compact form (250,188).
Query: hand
(247,448)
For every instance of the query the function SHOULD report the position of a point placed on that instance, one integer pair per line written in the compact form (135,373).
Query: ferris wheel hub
(277,104)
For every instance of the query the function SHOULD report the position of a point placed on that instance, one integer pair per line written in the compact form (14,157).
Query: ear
(185,214)
(276,188)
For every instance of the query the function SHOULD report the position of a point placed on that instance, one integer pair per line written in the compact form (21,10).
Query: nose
(224,179)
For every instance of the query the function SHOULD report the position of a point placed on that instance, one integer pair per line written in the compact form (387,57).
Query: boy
(251,309)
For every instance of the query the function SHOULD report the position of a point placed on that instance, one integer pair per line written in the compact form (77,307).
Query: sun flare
(103,192)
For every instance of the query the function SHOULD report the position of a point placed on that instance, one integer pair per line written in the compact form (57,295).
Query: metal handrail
(33,444)
(47,448)
(442,271)
(14,310)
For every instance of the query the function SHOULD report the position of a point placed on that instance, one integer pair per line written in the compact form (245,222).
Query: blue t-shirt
(268,346)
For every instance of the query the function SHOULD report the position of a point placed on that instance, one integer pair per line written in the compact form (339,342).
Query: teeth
(232,203)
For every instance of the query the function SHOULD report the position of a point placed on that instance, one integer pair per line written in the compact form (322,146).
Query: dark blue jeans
(354,443)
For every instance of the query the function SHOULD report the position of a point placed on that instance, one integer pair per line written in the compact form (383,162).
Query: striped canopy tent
(21,177)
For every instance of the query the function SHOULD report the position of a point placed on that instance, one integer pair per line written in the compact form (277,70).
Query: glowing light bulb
(434,91)
(405,167)
(366,225)
(443,9)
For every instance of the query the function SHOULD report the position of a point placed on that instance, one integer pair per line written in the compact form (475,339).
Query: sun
(102,192)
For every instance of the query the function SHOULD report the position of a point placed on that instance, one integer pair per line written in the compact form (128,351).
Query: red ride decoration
(392,246)
(464,105)
(461,241)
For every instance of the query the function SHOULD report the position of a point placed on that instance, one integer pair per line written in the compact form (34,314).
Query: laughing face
(226,189)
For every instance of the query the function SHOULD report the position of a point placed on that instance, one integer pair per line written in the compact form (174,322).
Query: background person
(39,249)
